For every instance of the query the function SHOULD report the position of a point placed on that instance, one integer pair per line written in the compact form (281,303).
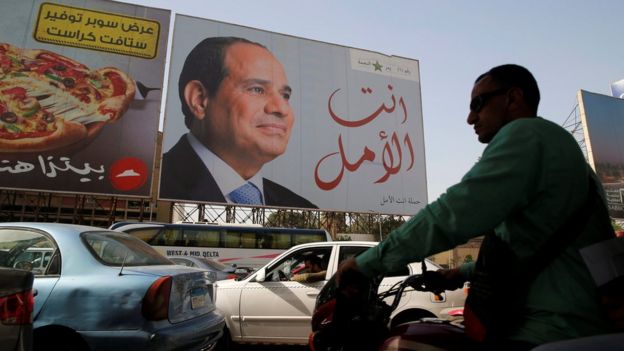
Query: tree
(287,218)
(368,223)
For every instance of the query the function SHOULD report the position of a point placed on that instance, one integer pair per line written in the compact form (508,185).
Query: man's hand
(301,278)
(349,280)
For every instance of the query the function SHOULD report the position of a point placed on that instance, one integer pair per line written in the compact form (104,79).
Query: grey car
(16,305)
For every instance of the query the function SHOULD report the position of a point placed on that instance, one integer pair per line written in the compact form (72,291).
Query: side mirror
(261,275)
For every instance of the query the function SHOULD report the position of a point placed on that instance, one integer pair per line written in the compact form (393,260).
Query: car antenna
(123,263)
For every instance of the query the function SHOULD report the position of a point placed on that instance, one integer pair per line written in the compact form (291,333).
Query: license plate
(198,298)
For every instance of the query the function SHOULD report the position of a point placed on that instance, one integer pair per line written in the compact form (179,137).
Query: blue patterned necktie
(247,194)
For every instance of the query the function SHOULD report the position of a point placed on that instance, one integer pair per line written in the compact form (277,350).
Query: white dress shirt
(227,179)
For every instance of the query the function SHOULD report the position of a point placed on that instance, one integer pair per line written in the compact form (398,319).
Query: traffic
(97,289)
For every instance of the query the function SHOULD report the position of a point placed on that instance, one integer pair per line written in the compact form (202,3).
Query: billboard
(80,94)
(603,126)
(617,89)
(309,124)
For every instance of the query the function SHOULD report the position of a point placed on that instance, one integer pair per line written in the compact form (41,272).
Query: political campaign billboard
(603,126)
(80,93)
(266,119)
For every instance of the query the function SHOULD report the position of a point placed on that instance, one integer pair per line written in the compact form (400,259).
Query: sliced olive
(48,117)
(59,68)
(8,117)
(69,82)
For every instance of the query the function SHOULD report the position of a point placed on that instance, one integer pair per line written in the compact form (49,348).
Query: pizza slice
(63,88)
(26,126)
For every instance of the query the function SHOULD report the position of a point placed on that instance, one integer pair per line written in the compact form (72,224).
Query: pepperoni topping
(16,91)
(54,59)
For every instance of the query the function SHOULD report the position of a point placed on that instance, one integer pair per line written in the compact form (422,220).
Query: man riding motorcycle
(530,183)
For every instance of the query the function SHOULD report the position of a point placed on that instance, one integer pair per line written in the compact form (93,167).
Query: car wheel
(58,340)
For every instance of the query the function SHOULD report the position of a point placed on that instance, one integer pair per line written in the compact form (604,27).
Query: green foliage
(290,219)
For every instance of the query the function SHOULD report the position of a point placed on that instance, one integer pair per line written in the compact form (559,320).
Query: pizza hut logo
(128,174)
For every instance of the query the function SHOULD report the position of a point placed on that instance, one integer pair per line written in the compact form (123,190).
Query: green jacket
(531,177)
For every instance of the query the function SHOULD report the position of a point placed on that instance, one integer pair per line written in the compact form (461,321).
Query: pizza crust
(118,105)
(66,133)
(33,53)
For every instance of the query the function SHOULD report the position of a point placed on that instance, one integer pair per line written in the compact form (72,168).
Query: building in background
(617,89)
(602,118)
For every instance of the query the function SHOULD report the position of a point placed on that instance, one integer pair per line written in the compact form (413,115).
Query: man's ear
(517,104)
(516,96)
(196,97)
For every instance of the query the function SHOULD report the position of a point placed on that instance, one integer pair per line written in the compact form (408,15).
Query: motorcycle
(355,316)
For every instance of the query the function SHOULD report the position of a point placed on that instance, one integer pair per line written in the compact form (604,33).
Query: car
(106,290)
(34,259)
(221,271)
(268,307)
(16,306)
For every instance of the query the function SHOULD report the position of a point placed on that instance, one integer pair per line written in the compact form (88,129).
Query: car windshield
(116,249)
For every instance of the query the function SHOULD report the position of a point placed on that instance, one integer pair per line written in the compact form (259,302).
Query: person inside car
(312,272)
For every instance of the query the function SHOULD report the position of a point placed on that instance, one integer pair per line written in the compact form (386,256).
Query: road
(272,348)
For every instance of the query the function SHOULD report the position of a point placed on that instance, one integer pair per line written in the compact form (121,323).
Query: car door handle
(312,293)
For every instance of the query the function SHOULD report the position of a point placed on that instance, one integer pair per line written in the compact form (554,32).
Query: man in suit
(235,100)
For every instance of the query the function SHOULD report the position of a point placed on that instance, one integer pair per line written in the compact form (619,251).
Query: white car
(269,308)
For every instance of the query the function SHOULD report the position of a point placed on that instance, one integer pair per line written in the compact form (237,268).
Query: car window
(295,263)
(350,251)
(116,249)
(27,250)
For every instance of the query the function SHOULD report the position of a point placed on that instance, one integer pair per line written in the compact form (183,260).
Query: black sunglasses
(478,102)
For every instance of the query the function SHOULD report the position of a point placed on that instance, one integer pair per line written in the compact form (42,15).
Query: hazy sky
(567,44)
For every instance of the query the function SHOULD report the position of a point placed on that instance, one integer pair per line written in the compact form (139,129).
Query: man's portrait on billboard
(235,97)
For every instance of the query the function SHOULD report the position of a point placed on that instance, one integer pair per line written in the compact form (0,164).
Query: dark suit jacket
(184,176)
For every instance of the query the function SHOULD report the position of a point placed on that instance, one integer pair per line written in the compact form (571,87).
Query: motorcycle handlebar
(418,282)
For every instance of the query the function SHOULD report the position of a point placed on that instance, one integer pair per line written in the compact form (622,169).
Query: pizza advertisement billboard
(309,124)
(80,95)
(603,127)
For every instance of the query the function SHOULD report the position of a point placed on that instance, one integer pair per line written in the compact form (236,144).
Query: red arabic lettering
(391,155)
(367,155)
(407,141)
(402,104)
(388,157)
(369,118)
